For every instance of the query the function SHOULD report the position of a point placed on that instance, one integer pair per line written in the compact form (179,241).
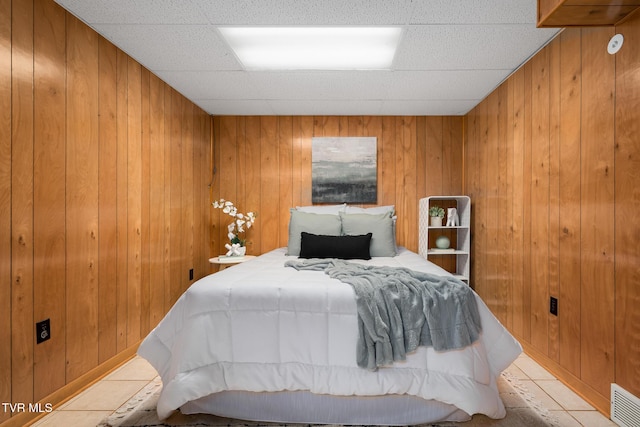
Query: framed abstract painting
(344,170)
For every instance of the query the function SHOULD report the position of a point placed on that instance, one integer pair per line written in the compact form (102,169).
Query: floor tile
(532,369)
(104,395)
(566,420)
(562,394)
(539,394)
(135,369)
(592,419)
(72,418)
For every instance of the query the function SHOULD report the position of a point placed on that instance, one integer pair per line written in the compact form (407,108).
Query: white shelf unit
(461,234)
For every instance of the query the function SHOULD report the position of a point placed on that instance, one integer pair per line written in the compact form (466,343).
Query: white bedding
(261,327)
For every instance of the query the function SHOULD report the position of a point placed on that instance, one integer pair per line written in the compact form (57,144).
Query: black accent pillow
(343,247)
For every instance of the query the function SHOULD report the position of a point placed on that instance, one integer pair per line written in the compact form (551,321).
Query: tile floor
(98,401)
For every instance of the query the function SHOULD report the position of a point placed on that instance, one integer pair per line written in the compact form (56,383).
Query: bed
(266,342)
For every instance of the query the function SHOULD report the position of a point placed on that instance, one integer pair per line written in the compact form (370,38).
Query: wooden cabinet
(457,257)
(584,13)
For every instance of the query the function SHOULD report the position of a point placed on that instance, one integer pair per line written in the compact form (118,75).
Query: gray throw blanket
(400,309)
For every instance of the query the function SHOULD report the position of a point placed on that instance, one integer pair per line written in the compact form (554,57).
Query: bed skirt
(309,408)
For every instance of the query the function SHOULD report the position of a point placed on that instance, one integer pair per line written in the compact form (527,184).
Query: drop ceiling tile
(312,107)
(135,12)
(322,84)
(234,107)
(439,85)
(403,107)
(172,47)
(211,85)
(306,12)
(468,47)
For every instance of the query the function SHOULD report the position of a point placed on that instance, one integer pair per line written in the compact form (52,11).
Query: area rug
(523,410)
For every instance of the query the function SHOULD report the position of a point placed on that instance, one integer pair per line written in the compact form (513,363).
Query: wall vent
(625,407)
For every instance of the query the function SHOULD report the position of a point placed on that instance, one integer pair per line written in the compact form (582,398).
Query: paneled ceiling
(453,53)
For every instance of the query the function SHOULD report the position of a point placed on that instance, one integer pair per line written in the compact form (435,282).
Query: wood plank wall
(263,164)
(552,167)
(104,199)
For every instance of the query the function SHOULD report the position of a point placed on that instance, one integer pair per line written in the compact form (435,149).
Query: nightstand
(224,261)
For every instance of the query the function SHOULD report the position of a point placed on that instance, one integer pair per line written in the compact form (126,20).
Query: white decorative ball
(443,242)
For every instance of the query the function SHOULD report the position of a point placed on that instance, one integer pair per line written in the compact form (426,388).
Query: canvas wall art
(344,170)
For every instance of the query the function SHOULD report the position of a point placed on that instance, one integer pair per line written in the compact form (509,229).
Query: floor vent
(625,407)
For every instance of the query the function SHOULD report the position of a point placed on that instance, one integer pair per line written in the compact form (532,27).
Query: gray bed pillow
(383,242)
(325,224)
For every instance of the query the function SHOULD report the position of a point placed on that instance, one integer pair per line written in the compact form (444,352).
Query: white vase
(436,221)
(242,251)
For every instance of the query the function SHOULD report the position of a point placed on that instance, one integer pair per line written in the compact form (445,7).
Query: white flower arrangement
(239,223)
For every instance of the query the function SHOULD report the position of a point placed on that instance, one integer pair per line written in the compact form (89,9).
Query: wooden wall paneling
(251,182)
(145,300)
(421,157)
(479,226)
(597,198)
(492,157)
(569,202)
(22,239)
(433,133)
(82,199)
(554,192)
(508,196)
(400,203)
(540,201)
(387,162)
(157,203)
(5,204)
(107,200)
(286,148)
(306,135)
(330,126)
(527,202)
(197,183)
(206,162)
(372,126)
(269,184)
(409,204)
(168,150)
(202,225)
(471,183)
(452,155)
(226,175)
(517,116)
(134,201)
(177,224)
(627,203)
(296,163)
(121,198)
(187,192)
(354,127)
(504,207)
(49,194)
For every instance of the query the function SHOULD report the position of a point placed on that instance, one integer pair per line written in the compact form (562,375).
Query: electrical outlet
(553,306)
(43,331)
(191,274)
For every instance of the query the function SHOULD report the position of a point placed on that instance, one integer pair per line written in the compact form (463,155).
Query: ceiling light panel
(313,48)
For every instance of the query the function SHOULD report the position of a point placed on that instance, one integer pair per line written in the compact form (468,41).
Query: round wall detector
(615,44)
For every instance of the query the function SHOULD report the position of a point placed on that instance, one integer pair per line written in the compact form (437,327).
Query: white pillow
(323,209)
(375,210)
(381,226)
(323,224)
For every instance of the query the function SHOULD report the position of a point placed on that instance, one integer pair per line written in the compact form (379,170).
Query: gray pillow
(383,242)
(325,224)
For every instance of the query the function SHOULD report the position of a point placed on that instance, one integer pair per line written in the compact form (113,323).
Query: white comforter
(259,326)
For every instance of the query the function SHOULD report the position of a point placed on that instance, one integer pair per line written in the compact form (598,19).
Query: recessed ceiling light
(313,48)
